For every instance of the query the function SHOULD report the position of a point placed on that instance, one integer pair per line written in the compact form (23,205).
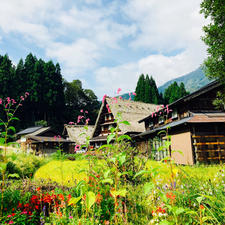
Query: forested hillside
(50,95)
(192,81)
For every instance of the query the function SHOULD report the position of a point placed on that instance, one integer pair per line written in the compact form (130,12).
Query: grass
(71,172)
(65,172)
(202,172)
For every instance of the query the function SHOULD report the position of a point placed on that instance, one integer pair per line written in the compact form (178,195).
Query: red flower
(171,196)
(201,207)
(38,189)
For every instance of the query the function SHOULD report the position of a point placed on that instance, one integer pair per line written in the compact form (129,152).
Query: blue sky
(106,44)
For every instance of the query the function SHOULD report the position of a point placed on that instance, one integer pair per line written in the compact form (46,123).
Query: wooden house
(196,127)
(79,134)
(130,111)
(42,141)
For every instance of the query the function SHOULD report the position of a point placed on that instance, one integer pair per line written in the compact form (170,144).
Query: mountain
(192,81)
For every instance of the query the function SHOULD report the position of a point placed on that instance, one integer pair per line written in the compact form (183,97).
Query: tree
(77,98)
(140,89)
(154,92)
(174,92)
(214,38)
(148,90)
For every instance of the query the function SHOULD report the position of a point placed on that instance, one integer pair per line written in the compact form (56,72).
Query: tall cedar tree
(140,89)
(174,92)
(154,98)
(214,38)
(43,80)
(146,90)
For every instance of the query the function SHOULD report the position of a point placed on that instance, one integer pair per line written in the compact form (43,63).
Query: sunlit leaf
(121,193)
(110,138)
(90,199)
(108,180)
(125,122)
(74,201)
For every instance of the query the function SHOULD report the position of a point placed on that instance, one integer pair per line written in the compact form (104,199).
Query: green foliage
(193,81)
(174,92)
(214,38)
(50,99)
(77,98)
(146,90)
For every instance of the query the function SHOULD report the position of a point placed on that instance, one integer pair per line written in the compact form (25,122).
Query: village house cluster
(196,128)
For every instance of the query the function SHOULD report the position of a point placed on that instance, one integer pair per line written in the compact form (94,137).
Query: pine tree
(148,90)
(140,89)
(174,92)
(154,92)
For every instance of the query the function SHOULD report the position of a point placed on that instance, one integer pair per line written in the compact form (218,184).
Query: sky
(106,44)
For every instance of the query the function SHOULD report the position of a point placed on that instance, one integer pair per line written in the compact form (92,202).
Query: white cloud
(161,67)
(165,25)
(80,33)
(76,57)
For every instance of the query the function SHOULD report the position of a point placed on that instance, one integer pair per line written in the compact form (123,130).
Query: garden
(117,185)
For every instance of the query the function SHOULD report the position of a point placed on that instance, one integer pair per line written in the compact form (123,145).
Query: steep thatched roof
(78,133)
(130,111)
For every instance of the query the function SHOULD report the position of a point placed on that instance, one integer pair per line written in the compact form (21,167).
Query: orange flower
(171,196)
(201,207)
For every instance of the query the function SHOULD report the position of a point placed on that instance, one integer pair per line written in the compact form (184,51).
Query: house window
(161,119)
(174,114)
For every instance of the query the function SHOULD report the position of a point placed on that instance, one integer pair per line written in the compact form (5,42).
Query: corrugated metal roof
(207,118)
(41,130)
(29,130)
(47,139)
(169,125)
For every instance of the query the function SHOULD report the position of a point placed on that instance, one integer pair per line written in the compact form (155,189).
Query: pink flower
(0,101)
(87,120)
(59,136)
(81,110)
(134,94)
(157,109)
(120,97)
(24,212)
(22,98)
(70,217)
(129,99)
(103,99)
(119,90)
(8,99)
(107,106)
(9,216)
(71,123)
(129,94)
(152,114)
(115,99)
(86,111)
(77,148)
(55,137)
(26,94)
(11,222)
(162,106)
(6,105)
(13,101)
